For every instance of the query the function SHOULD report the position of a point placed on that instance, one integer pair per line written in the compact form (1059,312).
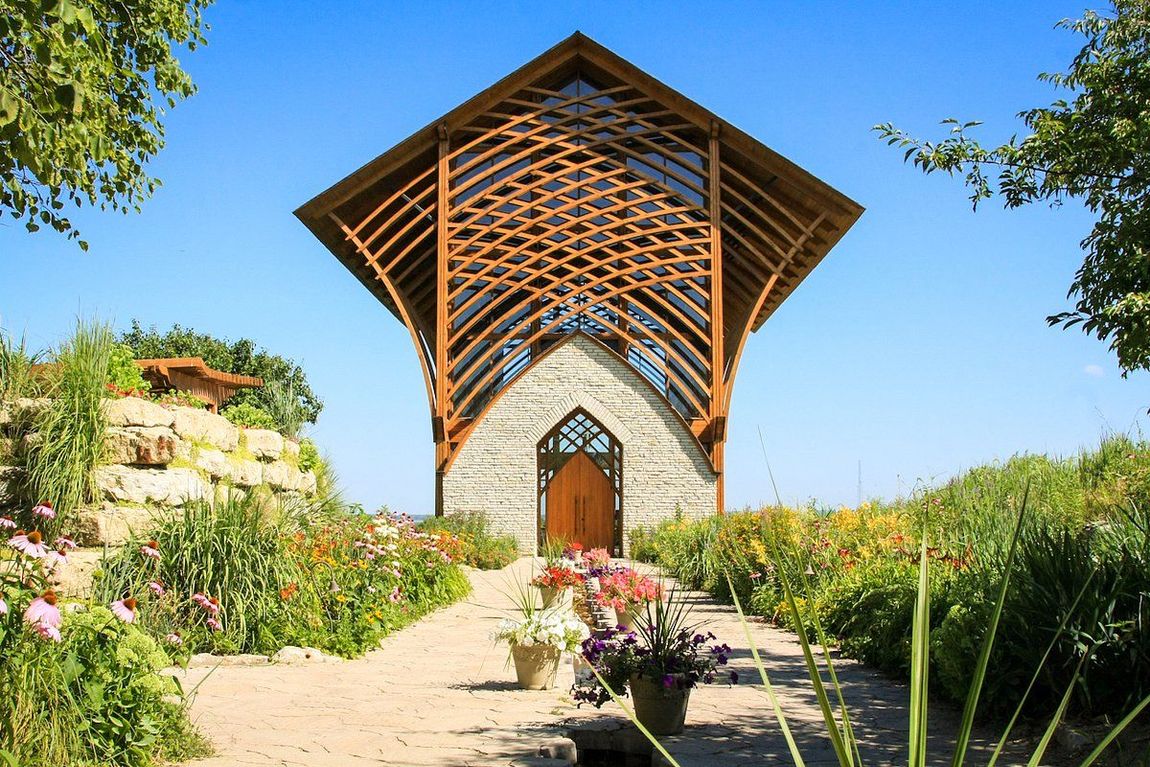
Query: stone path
(440,693)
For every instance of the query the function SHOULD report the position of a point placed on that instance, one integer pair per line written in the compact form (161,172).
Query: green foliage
(284,379)
(249,415)
(95,698)
(16,376)
(123,372)
(83,89)
(309,458)
(284,572)
(1081,572)
(481,547)
(69,444)
(1096,148)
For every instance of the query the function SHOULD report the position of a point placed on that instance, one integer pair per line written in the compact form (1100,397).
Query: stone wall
(161,457)
(664,468)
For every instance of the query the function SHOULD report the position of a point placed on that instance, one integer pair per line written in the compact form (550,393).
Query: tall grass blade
(1038,672)
(920,663)
(796,757)
(962,742)
(1113,734)
(843,753)
(1040,749)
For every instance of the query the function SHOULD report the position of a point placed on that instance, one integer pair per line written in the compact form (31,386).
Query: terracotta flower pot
(535,666)
(628,616)
(661,709)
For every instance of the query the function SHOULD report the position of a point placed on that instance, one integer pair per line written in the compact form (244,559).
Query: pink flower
(151,549)
(756,576)
(214,624)
(43,610)
(3,606)
(64,542)
(211,604)
(31,543)
(6,523)
(47,632)
(58,557)
(125,609)
(157,588)
(395,596)
(44,509)
(174,639)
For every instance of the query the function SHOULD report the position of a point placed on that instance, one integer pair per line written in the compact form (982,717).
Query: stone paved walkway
(440,693)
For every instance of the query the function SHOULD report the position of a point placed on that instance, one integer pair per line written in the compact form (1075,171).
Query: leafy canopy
(83,87)
(1095,148)
(243,357)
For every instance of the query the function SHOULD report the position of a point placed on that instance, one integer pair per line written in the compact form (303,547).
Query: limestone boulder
(25,409)
(10,477)
(202,426)
(74,580)
(245,472)
(214,462)
(291,448)
(282,476)
(133,411)
(165,487)
(264,443)
(307,484)
(112,525)
(295,656)
(140,445)
(222,467)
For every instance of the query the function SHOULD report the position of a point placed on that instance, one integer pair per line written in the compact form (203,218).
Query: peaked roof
(838,212)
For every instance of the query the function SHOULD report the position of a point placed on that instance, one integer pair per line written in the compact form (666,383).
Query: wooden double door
(581,504)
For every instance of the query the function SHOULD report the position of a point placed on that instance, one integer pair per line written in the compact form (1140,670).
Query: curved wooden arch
(580,195)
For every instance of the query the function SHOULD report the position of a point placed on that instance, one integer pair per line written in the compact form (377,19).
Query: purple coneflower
(31,543)
(6,523)
(157,588)
(57,557)
(174,639)
(125,609)
(214,624)
(47,632)
(44,509)
(151,549)
(43,610)
(395,596)
(3,606)
(64,542)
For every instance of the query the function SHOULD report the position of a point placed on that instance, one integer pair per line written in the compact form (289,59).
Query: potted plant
(628,593)
(657,663)
(554,582)
(538,638)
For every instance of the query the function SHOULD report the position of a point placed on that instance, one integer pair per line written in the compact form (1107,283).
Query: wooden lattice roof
(579,194)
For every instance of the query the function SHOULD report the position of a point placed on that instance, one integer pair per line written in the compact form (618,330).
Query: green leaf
(9,107)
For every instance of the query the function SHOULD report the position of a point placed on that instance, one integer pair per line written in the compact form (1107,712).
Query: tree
(1095,148)
(283,378)
(83,87)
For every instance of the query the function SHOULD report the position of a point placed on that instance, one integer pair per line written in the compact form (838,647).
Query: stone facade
(162,457)
(664,468)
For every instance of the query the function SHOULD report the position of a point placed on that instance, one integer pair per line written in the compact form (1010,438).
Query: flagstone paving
(440,693)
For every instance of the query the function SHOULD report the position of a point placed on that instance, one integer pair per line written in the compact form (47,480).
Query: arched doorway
(581,484)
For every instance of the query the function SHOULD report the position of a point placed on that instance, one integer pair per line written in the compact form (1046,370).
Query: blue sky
(917,348)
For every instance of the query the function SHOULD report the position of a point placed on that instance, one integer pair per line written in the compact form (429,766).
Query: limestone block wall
(160,457)
(664,468)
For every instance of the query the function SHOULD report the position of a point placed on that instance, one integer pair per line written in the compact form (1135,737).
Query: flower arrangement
(597,558)
(573,552)
(557,577)
(625,589)
(552,628)
(667,650)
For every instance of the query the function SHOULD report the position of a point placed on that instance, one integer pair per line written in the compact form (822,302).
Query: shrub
(249,415)
(309,458)
(124,375)
(481,547)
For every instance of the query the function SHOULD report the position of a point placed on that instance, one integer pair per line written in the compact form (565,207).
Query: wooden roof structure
(192,375)
(579,194)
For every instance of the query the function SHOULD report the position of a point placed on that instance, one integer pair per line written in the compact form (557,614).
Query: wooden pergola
(580,194)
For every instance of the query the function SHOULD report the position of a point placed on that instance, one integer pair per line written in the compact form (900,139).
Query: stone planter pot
(535,666)
(662,710)
(630,615)
(553,598)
